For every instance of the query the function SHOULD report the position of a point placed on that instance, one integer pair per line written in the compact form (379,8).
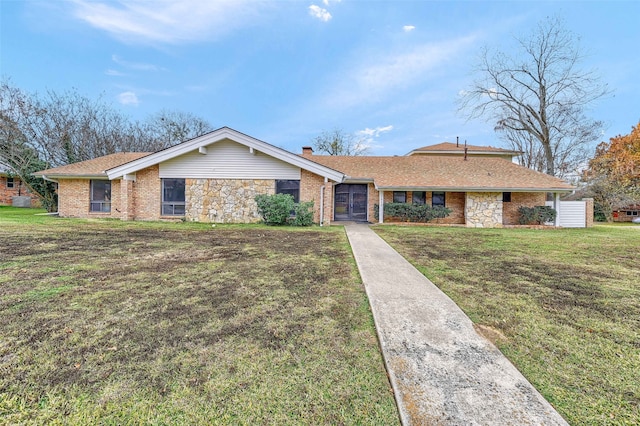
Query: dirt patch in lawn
(165,323)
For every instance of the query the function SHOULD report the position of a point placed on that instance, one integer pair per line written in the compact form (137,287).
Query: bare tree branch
(539,97)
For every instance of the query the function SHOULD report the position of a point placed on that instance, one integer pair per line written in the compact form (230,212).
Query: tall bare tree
(537,98)
(169,127)
(337,142)
(59,128)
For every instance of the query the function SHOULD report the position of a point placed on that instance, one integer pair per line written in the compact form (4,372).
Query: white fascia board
(217,136)
(95,177)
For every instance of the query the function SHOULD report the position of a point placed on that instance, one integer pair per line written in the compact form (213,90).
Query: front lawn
(562,305)
(157,323)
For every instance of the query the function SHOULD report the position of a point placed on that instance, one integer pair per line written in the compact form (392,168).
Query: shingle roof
(93,168)
(443,172)
(450,147)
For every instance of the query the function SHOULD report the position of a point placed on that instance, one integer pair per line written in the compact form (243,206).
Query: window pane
(100,196)
(419,197)
(437,199)
(173,190)
(399,197)
(291,187)
(173,197)
(506,197)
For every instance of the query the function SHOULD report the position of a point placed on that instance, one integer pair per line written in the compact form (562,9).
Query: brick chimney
(307,151)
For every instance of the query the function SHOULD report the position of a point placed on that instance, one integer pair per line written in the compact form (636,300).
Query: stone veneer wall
(225,200)
(483,209)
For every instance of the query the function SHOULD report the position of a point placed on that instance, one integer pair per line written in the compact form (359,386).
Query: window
(291,187)
(173,197)
(10,182)
(399,197)
(437,199)
(100,196)
(419,197)
(506,197)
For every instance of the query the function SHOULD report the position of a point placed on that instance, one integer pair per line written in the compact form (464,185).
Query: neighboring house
(627,213)
(215,177)
(11,187)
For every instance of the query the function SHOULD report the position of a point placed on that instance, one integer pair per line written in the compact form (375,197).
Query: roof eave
(217,136)
(72,176)
(469,152)
(470,189)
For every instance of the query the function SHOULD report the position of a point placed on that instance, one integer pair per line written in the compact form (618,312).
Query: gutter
(49,179)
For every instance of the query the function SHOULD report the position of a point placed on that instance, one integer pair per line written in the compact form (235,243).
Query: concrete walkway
(441,370)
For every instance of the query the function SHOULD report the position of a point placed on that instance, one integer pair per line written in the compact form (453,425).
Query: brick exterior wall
(74,199)
(452,200)
(518,199)
(141,199)
(588,212)
(147,196)
(19,189)
(310,185)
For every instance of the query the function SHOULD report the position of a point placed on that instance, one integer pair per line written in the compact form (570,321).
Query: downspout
(57,185)
(322,202)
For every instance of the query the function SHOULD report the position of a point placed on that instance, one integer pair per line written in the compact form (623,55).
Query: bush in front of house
(303,214)
(406,212)
(277,210)
(536,215)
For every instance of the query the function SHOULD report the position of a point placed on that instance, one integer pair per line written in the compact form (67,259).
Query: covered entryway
(350,202)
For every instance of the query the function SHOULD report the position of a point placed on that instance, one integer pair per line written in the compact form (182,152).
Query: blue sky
(284,71)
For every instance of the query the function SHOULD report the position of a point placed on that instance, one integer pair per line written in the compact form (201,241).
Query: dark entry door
(350,202)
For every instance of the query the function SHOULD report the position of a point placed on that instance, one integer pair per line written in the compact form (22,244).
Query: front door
(350,202)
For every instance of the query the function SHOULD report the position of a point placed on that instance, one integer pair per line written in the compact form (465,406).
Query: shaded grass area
(137,323)
(562,305)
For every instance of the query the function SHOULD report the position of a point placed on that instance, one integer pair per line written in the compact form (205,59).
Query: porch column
(556,206)
(126,197)
(380,206)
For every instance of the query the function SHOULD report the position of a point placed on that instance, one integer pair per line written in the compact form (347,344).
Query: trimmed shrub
(275,209)
(279,209)
(406,212)
(303,214)
(536,215)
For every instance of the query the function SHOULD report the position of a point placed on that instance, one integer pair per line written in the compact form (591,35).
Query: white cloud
(114,73)
(375,132)
(379,74)
(326,2)
(408,28)
(128,98)
(367,137)
(167,21)
(139,66)
(320,13)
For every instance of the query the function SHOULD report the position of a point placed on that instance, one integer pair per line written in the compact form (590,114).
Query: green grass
(562,305)
(116,322)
